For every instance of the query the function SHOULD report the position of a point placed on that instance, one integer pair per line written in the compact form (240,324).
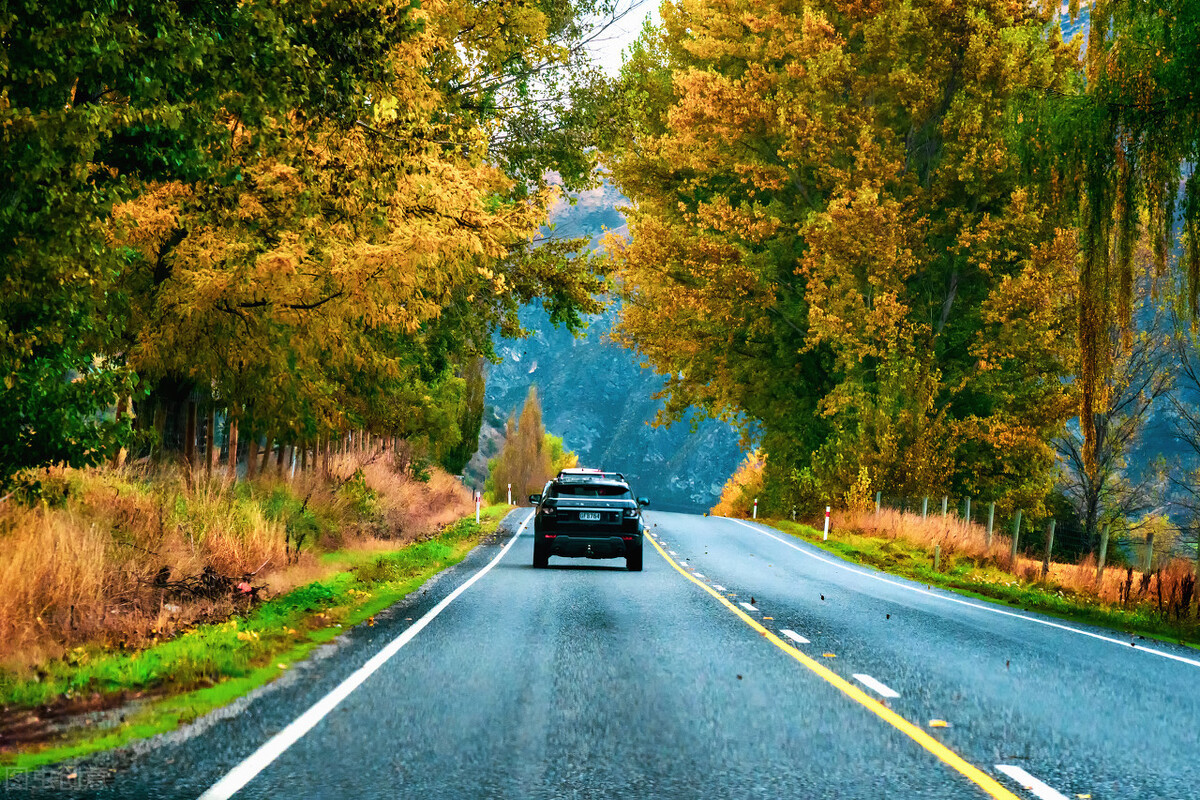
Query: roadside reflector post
(826,537)
(510,494)
(878,500)
(1016,536)
(476,506)
(925,509)
(991,519)
(1049,549)
(755,512)
(1103,554)
(945,503)
(937,558)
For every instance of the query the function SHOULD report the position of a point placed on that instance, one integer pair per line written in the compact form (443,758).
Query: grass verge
(210,665)
(982,581)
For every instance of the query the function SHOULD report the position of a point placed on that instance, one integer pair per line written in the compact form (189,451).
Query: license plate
(589,516)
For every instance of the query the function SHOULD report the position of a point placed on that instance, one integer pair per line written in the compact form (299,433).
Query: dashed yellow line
(939,750)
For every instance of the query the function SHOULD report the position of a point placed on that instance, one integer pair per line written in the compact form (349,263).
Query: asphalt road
(588,681)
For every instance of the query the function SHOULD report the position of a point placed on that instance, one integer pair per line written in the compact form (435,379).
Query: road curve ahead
(740,663)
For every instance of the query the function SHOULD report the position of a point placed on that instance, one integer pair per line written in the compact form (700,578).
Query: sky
(607,49)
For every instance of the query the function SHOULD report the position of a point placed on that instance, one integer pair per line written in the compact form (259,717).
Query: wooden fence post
(1149,551)
(967,513)
(1049,549)
(878,500)
(1016,536)
(925,508)
(945,502)
(991,519)
(937,558)
(1103,554)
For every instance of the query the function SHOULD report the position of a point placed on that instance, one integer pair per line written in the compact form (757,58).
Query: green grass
(989,583)
(211,665)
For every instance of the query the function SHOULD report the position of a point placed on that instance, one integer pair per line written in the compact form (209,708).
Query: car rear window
(591,490)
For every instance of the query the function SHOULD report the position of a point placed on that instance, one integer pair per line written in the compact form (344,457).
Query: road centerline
(1037,788)
(880,688)
(943,753)
(274,747)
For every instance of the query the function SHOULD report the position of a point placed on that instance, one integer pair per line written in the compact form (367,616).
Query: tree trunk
(279,459)
(160,426)
(303,456)
(231,444)
(251,459)
(189,436)
(266,460)
(210,441)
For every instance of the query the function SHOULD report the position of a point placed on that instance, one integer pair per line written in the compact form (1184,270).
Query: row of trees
(311,215)
(897,241)
(529,457)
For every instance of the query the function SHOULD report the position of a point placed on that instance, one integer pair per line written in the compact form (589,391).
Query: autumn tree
(525,461)
(832,242)
(315,215)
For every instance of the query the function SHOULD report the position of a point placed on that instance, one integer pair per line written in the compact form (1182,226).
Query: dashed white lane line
(795,637)
(261,758)
(749,607)
(672,552)
(978,606)
(1030,783)
(719,588)
(697,574)
(879,688)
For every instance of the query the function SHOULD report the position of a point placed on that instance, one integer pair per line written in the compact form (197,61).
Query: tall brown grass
(1164,588)
(955,536)
(81,568)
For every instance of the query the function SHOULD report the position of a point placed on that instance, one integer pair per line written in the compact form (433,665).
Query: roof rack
(582,475)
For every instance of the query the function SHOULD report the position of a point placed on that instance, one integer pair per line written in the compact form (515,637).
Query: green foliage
(195,193)
(833,241)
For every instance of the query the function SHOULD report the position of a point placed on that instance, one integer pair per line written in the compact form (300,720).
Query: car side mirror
(643,501)
(535,498)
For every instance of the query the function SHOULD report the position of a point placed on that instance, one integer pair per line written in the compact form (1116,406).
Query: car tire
(541,557)
(633,559)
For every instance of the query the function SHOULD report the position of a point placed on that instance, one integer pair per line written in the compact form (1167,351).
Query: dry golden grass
(953,534)
(1115,585)
(81,569)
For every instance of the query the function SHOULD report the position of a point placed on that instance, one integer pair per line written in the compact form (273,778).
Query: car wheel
(633,559)
(541,558)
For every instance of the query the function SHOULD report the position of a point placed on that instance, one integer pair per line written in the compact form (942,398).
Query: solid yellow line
(943,753)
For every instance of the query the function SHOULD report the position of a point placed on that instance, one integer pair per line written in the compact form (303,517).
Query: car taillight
(630,513)
(627,538)
(549,535)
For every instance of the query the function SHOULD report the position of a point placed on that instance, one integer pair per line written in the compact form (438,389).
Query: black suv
(585,513)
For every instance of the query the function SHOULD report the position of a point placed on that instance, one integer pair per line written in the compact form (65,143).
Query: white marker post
(755,508)
(826,523)
(510,494)
(476,506)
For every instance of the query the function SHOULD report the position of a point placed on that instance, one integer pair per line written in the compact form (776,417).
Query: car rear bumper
(591,546)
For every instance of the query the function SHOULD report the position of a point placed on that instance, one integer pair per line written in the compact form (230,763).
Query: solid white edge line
(1030,783)
(748,607)
(1002,612)
(879,688)
(257,761)
(795,637)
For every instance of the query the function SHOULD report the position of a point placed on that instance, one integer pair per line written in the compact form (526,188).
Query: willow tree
(833,242)
(1123,146)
